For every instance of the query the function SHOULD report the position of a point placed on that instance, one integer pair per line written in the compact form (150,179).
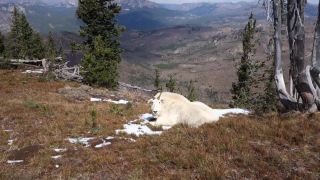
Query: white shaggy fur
(171,109)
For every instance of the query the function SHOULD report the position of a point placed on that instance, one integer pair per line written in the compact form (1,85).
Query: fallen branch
(69,73)
(125,85)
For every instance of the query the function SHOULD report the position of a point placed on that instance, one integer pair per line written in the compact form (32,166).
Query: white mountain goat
(170,109)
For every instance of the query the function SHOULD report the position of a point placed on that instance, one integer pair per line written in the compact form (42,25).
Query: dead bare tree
(304,78)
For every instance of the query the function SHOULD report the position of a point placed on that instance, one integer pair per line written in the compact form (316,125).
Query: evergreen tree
(23,42)
(171,84)
(242,90)
(269,98)
(157,84)
(60,51)
(15,36)
(27,37)
(101,31)
(37,48)
(192,94)
(100,67)
(1,45)
(52,52)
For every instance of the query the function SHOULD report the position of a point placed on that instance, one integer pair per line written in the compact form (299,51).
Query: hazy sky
(188,1)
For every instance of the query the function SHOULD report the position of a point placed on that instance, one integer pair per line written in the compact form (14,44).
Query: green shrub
(37,106)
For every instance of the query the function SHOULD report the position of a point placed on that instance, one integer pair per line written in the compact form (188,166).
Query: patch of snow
(57,150)
(105,143)
(109,138)
(131,140)
(56,157)
(223,112)
(14,161)
(83,141)
(95,99)
(10,142)
(8,130)
(166,127)
(36,71)
(57,166)
(121,101)
(137,130)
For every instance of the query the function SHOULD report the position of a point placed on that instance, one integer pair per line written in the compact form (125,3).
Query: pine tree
(37,49)
(52,52)
(60,51)
(171,84)
(157,84)
(101,31)
(15,36)
(23,42)
(27,38)
(242,90)
(269,97)
(100,67)
(192,94)
(1,45)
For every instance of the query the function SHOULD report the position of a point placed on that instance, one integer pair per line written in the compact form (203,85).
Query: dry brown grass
(269,147)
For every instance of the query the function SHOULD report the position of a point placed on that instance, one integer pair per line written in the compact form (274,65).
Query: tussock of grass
(270,147)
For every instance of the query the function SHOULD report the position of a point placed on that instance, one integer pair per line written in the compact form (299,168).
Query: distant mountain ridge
(141,15)
(74,3)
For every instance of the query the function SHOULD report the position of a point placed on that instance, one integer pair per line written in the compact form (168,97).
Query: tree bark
(289,102)
(296,45)
(316,42)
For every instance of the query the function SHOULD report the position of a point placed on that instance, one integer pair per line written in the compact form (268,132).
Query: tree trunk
(316,42)
(296,45)
(315,69)
(289,102)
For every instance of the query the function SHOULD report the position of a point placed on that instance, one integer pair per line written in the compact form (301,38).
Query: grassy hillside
(38,118)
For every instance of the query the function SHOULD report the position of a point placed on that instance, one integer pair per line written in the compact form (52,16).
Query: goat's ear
(149,101)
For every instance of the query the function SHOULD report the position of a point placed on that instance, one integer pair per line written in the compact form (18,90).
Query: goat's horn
(159,95)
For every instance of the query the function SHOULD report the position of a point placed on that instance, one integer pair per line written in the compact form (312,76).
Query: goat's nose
(154,112)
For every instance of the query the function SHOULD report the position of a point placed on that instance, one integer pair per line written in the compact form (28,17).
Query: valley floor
(36,119)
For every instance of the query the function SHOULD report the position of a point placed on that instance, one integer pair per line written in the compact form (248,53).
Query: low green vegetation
(121,110)
(157,83)
(192,94)
(171,84)
(1,45)
(167,66)
(29,103)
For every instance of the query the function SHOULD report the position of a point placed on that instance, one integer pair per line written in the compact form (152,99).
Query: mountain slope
(136,14)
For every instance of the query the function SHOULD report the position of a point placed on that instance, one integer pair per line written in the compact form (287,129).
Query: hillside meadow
(36,120)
